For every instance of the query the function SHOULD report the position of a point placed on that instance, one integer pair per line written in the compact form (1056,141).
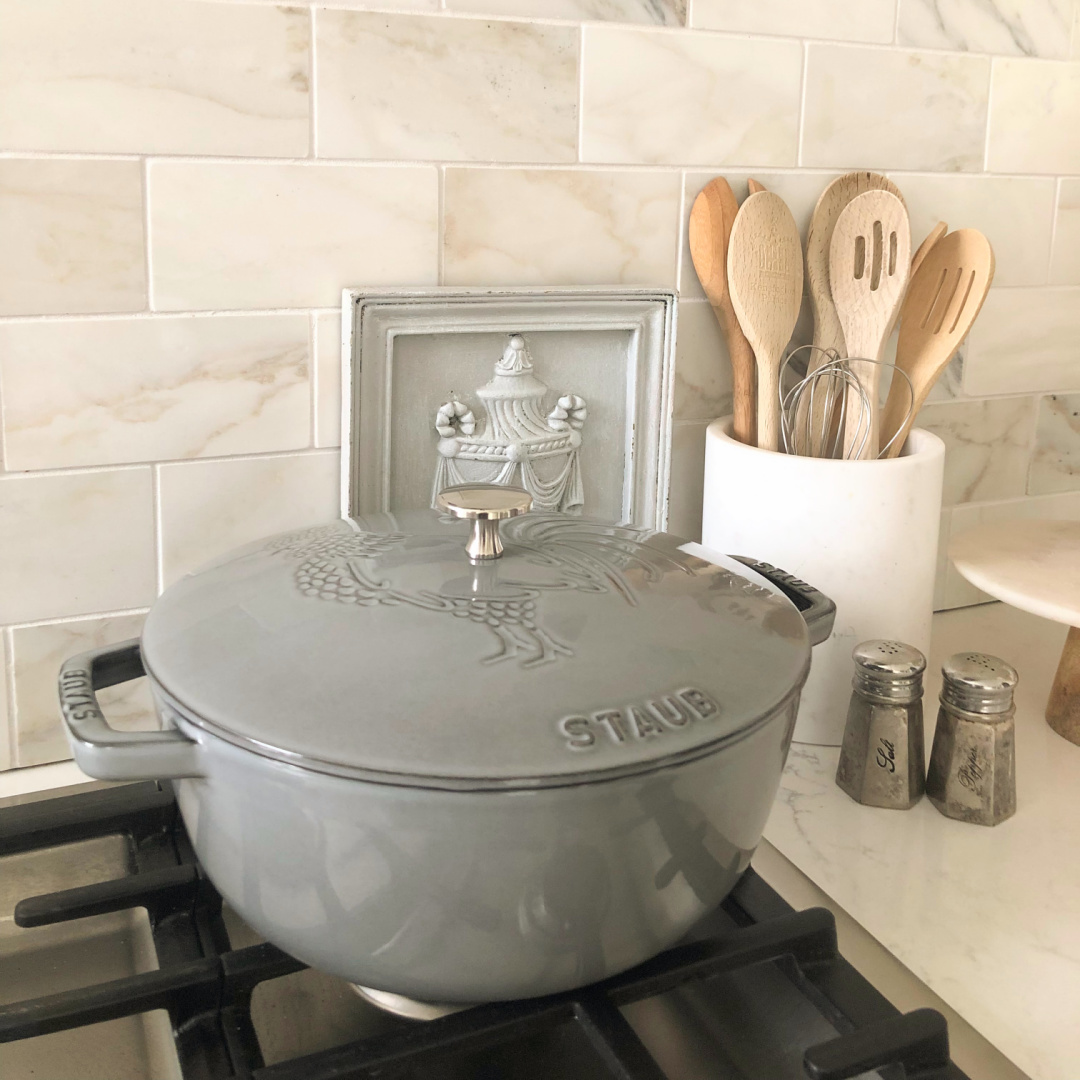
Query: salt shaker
(972,773)
(881,760)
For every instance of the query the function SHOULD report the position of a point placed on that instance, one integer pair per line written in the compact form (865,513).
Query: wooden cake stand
(1035,566)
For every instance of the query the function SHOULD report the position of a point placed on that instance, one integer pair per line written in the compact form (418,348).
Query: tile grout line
(147,261)
(581,97)
(989,108)
(896,25)
(65,620)
(680,240)
(159,534)
(11,703)
(1055,219)
(802,103)
(440,225)
(313,142)
(546,166)
(313,380)
(151,463)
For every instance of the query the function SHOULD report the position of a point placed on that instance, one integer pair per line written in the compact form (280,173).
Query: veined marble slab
(1055,464)
(988,918)
(1065,257)
(1035,118)
(657,12)
(1006,27)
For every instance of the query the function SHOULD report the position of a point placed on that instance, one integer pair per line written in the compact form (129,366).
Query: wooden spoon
(711,218)
(942,302)
(869,266)
(932,237)
(828,333)
(753,187)
(765,278)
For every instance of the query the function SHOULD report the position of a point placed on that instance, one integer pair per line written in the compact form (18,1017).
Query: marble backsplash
(186,186)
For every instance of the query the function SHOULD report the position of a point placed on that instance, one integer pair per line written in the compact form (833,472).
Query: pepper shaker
(882,761)
(972,773)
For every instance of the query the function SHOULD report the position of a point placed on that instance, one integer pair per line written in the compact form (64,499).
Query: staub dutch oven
(459,773)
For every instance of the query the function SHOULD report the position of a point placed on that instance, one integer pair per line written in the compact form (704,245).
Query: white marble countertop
(987,918)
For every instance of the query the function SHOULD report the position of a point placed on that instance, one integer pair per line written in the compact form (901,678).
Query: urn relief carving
(515,441)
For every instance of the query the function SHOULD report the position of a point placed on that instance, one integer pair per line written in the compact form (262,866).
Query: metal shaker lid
(888,670)
(978,683)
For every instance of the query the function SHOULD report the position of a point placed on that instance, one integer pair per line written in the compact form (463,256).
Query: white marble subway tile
(1065,257)
(702,366)
(836,20)
(1006,27)
(209,507)
(242,235)
(328,366)
(1016,216)
(560,227)
(894,109)
(663,98)
(687,479)
(1035,117)
(170,77)
(653,12)
(1055,464)
(950,383)
(105,392)
(987,446)
(72,236)
(416,87)
(38,652)
(1025,340)
(800,190)
(75,544)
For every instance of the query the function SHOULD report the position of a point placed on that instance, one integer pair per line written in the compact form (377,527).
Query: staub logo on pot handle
(649,718)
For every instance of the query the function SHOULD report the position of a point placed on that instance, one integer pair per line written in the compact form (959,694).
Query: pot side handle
(99,749)
(817,610)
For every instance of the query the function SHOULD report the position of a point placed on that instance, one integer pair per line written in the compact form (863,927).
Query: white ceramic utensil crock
(461,777)
(865,532)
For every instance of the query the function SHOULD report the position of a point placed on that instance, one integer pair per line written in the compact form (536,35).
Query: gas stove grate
(206,986)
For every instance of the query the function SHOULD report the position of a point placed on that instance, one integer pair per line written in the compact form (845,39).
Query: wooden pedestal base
(1063,708)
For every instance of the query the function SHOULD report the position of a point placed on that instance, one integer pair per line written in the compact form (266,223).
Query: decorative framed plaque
(566,392)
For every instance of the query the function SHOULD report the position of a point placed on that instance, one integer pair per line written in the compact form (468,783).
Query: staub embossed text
(627,724)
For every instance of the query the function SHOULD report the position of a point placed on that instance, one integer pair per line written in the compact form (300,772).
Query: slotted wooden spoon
(942,302)
(924,249)
(765,279)
(711,218)
(828,333)
(869,266)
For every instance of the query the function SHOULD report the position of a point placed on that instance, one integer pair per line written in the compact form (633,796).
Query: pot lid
(379,648)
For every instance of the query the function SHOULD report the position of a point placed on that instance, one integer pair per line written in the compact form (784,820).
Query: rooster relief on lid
(515,443)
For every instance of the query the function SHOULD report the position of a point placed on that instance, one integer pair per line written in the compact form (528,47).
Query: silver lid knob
(888,670)
(485,505)
(978,683)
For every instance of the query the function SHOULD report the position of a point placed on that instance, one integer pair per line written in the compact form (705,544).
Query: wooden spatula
(711,218)
(765,278)
(869,266)
(753,187)
(941,304)
(932,237)
(828,333)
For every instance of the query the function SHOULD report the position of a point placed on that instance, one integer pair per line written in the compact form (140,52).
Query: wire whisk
(828,412)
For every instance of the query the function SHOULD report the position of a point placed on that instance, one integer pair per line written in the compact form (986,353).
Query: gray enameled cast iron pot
(465,777)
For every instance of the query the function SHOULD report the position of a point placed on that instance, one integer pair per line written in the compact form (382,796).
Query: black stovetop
(757,991)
